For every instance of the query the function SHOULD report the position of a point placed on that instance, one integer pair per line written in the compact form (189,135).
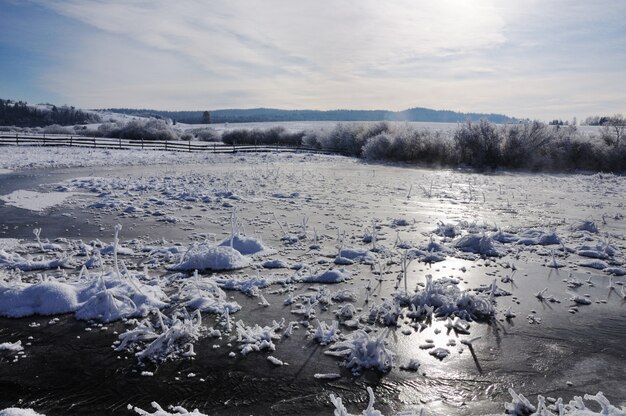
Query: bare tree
(613,130)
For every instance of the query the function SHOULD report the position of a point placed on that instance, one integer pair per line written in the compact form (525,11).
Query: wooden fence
(21,139)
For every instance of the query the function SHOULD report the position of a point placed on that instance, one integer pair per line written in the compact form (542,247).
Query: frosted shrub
(377,147)
(363,351)
(478,144)
(57,129)
(444,298)
(159,411)
(340,409)
(272,136)
(206,296)
(172,341)
(258,337)
(205,134)
(151,129)
(521,406)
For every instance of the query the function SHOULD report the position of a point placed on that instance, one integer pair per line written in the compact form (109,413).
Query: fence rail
(21,139)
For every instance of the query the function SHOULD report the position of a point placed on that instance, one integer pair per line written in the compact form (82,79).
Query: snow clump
(206,257)
(521,406)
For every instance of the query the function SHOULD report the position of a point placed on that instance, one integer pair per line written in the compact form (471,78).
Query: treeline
(20,114)
(604,120)
(529,145)
(275,115)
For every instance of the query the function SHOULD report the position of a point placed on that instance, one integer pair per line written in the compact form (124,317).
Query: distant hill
(271,114)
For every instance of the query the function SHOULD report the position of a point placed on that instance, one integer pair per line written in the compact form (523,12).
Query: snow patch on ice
(35,201)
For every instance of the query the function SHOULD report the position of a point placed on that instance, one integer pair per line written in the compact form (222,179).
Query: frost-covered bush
(478,144)
(363,351)
(443,297)
(205,134)
(521,406)
(347,139)
(150,129)
(57,129)
(272,136)
(405,144)
(159,411)
(378,147)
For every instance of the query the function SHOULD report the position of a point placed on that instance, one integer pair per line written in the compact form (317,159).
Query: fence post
(141,143)
(71,141)
(214,148)
(44,139)
(17,139)
(94,142)
(166,145)
(189,145)
(120,142)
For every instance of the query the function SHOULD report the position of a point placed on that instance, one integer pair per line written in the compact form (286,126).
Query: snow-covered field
(279,283)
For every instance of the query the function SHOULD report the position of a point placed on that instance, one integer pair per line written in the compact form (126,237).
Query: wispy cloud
(526,58)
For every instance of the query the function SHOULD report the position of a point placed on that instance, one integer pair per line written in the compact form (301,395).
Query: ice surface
(343,200)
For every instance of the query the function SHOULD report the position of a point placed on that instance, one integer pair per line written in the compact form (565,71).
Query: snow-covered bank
(14,158)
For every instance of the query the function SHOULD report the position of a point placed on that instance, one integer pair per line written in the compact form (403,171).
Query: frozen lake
(554,245)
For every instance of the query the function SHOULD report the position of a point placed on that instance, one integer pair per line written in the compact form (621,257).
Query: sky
(533,59)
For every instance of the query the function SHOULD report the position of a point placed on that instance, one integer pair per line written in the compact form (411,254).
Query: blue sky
(525,58)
